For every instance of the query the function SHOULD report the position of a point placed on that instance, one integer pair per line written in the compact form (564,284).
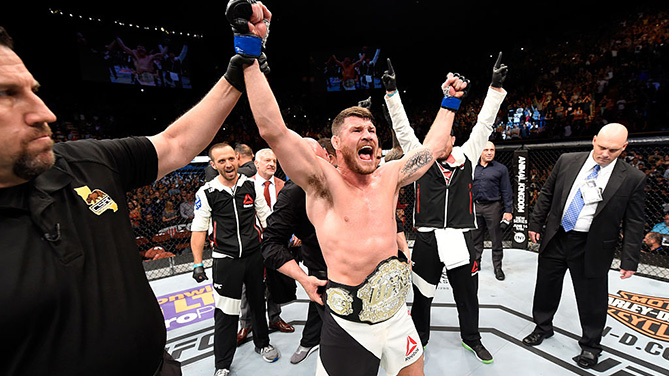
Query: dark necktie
(266,193)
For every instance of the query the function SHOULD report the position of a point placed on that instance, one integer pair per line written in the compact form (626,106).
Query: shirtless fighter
(366,322)
(144,69)
(368,278)
(348,72)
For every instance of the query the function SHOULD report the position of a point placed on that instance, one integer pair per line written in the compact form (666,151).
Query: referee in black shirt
(494,203)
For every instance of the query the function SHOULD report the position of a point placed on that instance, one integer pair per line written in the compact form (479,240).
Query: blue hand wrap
(451,103)
(248,45)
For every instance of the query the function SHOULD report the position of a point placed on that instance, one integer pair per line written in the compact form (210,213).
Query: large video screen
(351,69)
(133,57)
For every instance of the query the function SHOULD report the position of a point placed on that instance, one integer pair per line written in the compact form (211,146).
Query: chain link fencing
(161,213)
(650,155)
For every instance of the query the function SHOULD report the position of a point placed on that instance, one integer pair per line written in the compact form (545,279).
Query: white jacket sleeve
(201,212)
(474,146)
(405,134)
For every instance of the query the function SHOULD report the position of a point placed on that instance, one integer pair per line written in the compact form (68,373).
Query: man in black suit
(245,157)
(290,218)
(583,203)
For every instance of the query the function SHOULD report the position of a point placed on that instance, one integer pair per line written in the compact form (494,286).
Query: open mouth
(366,153)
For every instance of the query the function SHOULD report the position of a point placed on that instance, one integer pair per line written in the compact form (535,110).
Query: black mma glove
(238,13)
(499,73)
(367,103)
(235,72)
(198,273)
(450,102)
(388,78)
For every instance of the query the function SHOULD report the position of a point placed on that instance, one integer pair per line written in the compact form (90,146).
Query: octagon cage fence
(164,242)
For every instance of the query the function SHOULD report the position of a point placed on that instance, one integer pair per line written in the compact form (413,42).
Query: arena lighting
(59,12)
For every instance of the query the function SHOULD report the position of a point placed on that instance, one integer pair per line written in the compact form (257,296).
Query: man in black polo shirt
(74,295)
(494,202)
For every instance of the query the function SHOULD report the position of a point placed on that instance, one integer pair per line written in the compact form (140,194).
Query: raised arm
(297,158)
(163,51)
(362,58)
(125,48)
(418,158)
(333,57)
(397,116)
(193,131)
(417,161)
(396,151)
(179,143)
(481,132)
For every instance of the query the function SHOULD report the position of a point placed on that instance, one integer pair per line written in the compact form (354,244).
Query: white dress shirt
(587,213)
(260,188)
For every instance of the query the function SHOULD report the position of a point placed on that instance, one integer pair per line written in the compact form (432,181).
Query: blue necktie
(576,205)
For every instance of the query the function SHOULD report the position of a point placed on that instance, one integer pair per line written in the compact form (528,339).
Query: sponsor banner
(187,307)
(648,315)
(520,204)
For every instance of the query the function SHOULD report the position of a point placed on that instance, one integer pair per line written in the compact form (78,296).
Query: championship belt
(378,298)
(146,78)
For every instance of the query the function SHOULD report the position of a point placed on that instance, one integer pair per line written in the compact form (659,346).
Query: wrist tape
(248,45)
(451,103)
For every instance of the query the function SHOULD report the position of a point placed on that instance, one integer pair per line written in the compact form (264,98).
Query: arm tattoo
(419,160)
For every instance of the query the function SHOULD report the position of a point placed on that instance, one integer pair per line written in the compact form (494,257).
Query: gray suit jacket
(622,205)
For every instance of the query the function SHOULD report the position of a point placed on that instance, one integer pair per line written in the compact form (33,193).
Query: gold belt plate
(385,291)
(340,301)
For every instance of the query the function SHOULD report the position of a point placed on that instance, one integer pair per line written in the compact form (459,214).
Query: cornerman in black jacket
(230,204)
(444,214)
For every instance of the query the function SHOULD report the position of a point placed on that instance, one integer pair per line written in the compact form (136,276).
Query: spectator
(186,207)
(134,212)
(170,214)
(662,227)
(653,241)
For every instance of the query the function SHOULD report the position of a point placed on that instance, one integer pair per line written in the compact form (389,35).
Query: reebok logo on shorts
(412,348)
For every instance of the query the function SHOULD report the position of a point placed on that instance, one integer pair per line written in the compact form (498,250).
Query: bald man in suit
(586,201)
